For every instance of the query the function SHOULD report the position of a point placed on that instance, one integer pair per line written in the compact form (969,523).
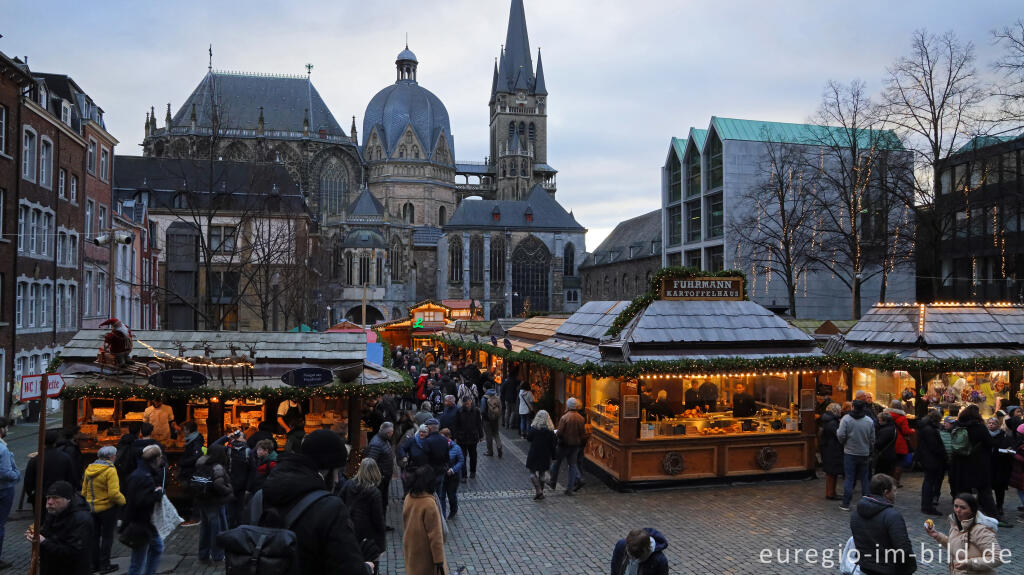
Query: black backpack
(253,549)
(200,485)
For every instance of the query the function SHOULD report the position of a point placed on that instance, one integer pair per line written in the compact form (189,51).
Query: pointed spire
(353,134)
(539,88)
(259,123)
(494,82)
(152,120)
(167,117)
(519,63)
(147,124)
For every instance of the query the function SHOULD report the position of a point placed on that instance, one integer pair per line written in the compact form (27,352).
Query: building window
(533,133)
(408,213)
(1009,167)
(693,172)
(180,201)
(87,298)
(3,129)
(74,188)
(91,158)
(476,260)
(716,258)
(44,233)
(65,113)
(569,260)
(455,259)
(22,228)
(62,180)
(442,216)
(222,238)
(675,225)
(675,178)
(693,259)
(693,221)
(3,198)
(46,163)
(102,218)
(349,268)
(19,305)
(44,300)
(224,287)
(497,259)
(531,263)
(715,162)
(33,304)
(89,205)
(33,232)
(715,219)
(333,187)
(397,273)
(364,269)
(960,178)
(104,164)
(28,155)
(72,322)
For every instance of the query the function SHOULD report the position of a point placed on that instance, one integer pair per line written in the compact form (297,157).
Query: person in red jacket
(421,387)
(903,432)
(118,342)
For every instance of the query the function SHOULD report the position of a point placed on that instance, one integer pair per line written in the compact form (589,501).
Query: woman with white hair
(102,492)
(541,436)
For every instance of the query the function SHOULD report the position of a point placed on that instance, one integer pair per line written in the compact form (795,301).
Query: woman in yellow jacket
(102,492)
(971,546)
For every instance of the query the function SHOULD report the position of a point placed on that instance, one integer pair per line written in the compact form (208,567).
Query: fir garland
(640,303)
(272,393)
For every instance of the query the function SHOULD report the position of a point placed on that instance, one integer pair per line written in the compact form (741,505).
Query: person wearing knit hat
(325,543)
(65,537)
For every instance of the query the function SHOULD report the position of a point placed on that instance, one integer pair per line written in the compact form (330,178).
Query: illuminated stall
(426,319)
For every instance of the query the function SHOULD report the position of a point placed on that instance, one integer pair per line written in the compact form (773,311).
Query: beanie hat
(325,448)
(432,421)
(61,489)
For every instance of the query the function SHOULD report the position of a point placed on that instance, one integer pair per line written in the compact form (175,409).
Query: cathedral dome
(403,104)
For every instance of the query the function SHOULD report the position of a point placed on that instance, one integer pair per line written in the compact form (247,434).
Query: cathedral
(399,218)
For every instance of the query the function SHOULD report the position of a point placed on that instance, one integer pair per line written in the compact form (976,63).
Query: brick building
(622,266)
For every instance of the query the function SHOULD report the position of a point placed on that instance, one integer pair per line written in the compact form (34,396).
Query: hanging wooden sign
(308,377)
(177,379)
(702,288)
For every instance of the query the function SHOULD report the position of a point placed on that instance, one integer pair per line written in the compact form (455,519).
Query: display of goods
(89,429)
(999,386)
(692,414)
(134,416)
(976,397)
(715,431)
(102,413)
(201,413)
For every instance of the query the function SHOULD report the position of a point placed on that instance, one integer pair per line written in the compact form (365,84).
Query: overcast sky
(623,77)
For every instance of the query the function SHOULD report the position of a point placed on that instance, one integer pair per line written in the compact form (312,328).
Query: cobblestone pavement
(500,529)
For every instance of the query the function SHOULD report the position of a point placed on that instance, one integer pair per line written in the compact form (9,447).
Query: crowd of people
(978,458)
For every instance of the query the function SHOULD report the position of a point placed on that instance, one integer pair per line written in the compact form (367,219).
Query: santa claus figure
(118,342)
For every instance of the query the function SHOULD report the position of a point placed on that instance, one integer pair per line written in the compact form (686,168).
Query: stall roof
(470,326)
(537,328)
(575,352)
(893,326)
(270,346)
(508,323)
(712,322)
(592,320)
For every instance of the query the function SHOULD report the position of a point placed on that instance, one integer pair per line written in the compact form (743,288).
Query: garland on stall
(640,303)
(272,393)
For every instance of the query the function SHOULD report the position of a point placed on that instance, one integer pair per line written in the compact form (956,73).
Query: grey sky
(623,77)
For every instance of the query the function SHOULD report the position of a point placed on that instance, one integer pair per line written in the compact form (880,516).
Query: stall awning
(537,328)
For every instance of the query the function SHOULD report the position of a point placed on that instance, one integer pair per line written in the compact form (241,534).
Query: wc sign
(31,386)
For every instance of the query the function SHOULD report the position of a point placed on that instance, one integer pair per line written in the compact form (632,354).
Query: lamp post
(113,237)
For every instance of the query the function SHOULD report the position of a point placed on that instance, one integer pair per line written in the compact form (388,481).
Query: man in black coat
(974,471)
(468,431)
(143,490)
(265,430)
(510,403)
(194,442)
(743,404)
(240,469)
(326,539)
(879,532)
(379,449)
(931,454)
(57,467)
(66,536)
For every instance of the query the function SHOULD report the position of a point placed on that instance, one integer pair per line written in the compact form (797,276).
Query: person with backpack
(124,461)
(143,490)
(296,504)
(468,432)
(492,421)
(971,463)
(857,434)
(449,494)
(240,469)
(102,492)
(57,466)
(363,500)
(880,533)
(526,405)
(423,536)
(210,486)
(194,449)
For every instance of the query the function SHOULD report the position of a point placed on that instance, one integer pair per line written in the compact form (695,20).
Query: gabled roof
(537,328)
(964,326)
(697,138)
(978,142)
(728,323)
(631,239)
(366,205)
(548,214)
(592,320)
(679,145)
(239,96)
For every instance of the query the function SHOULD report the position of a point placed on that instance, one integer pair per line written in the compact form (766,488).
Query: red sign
(31,386)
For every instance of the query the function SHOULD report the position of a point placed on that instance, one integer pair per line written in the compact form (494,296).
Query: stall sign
(308,377)
(702,288)
(31,386)
(177,379)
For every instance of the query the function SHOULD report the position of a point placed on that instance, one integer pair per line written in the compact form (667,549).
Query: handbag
(134,535)
(165,517)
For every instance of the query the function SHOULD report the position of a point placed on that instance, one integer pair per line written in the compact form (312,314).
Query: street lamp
(113,238)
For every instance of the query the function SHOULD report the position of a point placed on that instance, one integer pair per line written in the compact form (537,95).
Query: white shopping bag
(165,517)
(846,564)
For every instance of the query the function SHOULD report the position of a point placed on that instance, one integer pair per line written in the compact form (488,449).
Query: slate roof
(366,205)
(508,323)
(567,350)
(632,239)
(481,169)
(244,182)
(406,103)
(548,214)
(515,67)
(707,323)
(426,236)
(591,320)
(363,239)
(239,96)
(894,327)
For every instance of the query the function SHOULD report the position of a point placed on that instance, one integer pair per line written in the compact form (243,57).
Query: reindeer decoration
(238,358)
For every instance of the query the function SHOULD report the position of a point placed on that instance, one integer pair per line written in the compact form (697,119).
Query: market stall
(940,355)
(416,331)
(690,382)
(222,381)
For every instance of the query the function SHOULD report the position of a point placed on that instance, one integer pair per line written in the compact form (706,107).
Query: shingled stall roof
(537,328)
(938,331)
(522,336)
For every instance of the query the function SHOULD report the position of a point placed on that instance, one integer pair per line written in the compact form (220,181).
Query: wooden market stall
(416,331)
(941,355)
(222,381)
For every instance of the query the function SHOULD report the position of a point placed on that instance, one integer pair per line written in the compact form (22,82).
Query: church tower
(518,108)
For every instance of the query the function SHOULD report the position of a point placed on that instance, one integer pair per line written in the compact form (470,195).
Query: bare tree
(1010,88)
(850,141)
(273,263)
(777,233)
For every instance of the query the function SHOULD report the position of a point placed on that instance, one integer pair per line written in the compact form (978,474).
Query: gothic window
(455,259)
(379,276)
(530,274)
(237,151)
(364,269)
(533,133)
(511,132)
(513,174)
(522,135)
(523,169)
(333,186)
(397,273)
(503,172)
(416,152)
(349,265)
(569,260)
(401,151)
(442,215)
(476,260)
(497,259)
(408,213)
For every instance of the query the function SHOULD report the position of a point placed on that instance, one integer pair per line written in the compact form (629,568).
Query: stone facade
(622,266)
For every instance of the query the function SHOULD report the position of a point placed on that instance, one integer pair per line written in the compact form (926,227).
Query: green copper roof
(679,145)
(807,134)
(698,137)
(978,142)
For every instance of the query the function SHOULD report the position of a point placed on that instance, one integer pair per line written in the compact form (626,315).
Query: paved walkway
(500,529)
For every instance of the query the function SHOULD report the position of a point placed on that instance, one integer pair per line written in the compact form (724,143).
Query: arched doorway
(531,266)
(355,315)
